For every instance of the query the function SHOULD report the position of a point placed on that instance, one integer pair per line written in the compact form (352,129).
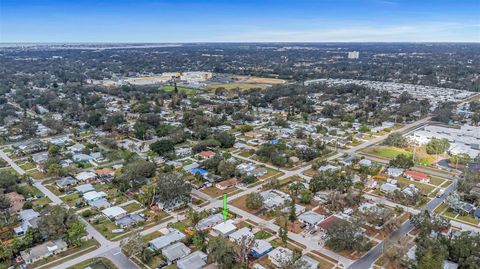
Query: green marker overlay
(225,208)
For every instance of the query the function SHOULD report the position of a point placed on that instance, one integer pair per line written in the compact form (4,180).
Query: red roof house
(206,154)
(416,176)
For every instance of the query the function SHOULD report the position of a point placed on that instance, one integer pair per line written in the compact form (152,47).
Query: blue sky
(242,21)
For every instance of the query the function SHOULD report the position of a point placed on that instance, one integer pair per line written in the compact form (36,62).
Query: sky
(175,21)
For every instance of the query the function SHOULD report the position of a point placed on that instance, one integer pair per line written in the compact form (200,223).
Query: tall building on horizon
(353,54)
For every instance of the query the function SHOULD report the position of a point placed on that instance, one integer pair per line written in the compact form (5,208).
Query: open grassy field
(169,88)
(387,152)
(235,85)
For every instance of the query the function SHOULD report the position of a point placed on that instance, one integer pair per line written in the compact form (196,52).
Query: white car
(440,193)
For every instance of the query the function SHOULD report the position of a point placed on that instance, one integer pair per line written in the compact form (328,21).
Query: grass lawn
(387,152)
(132,207)
(262,235)
(169,88)
(437,181)
(216,192)
(105,227)
(37,174)
(95,263)
(245,154)
(71,199)
(440,208)
(42,201)
(54,189)
(241,86)
(271,172)
(425,189)
(28,166)
(468,219)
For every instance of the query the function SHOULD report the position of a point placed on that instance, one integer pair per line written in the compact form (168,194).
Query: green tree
(55,221)
(292,216)
(346,235)
(254,200)
(305,196)
(402,161)
(437,146)
(172,186)
(226,140)
(75,232)
(162,147)
(396,140)
(221,251)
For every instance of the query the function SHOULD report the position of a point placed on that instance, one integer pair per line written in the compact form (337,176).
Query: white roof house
(94,195)
(308,262)
(160,242)
(238,235)
(388,187)
(175,251)
(84,188)
(395,172)
(209,221)
(114,212)
(225,228)
(195,260)
(84,176)
(311,218)
(280,256)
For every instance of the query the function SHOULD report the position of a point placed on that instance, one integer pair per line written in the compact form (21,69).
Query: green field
(240,86)
(169,88)
(387,152)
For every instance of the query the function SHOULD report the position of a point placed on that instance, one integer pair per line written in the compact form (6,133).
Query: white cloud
(426,32)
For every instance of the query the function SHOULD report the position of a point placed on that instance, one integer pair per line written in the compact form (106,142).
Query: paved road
(368,259)
(107,248)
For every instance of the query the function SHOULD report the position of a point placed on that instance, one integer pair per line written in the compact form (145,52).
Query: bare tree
(242,249)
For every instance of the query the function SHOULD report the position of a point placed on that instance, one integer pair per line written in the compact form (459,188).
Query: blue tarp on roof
(198,170)
(274,141)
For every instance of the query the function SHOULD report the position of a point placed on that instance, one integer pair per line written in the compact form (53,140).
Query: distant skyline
(239,21)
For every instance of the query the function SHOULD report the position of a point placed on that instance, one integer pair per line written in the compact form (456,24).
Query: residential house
(195,260)
(77,148)
(416,176)
(206,154)
(225,228)
(239,234)
(229,183)
(44,250)
(328,223)
(260,248)
(310,219)
(129,220)
(82,189)
(92,196)
(388,187)
(395,172)
(209,222)
(114,212)
(160,242)
(175,251)
(86,176)
(274,198)
(279,256)
(66,182)
(81,158)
